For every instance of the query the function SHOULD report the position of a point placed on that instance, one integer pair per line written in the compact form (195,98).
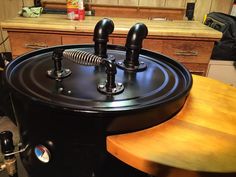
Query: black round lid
(162,82)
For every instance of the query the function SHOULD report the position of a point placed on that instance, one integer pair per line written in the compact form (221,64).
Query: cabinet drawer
(25,42)
(75,39)
(148,44)
(188,51)
(197,68)
(118,41)
(155,45)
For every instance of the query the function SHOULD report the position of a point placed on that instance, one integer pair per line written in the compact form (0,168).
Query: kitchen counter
(189,42)
(60,23)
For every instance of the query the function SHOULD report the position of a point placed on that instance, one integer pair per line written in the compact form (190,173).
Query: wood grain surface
(57,22)
(201,137)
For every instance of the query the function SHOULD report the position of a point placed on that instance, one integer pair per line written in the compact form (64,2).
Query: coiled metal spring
(82,57)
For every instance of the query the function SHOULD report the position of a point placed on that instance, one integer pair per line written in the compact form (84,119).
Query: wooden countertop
(60,23)
(201,137)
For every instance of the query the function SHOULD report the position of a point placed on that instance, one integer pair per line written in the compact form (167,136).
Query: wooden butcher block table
(201,137)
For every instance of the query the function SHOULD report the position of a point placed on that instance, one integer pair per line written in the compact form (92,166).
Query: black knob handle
(135,36)
(110,87)
(58,72)
(57,57)
(101,31)
(133,46)
(6,142)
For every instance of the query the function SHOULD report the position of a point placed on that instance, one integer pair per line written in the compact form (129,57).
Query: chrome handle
(186,53)
(37,45)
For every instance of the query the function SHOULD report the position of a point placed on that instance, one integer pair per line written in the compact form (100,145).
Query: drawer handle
(186,53)
(36,46)
(200,73)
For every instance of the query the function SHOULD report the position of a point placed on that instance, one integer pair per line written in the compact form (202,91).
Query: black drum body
(74,143)
(63,123)
(68,99)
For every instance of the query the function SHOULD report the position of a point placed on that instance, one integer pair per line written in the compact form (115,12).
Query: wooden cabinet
(188,42)
(153,44)
(23,42)
(188,51)
(194,54)
(197,68)
(74,39)
(118,40)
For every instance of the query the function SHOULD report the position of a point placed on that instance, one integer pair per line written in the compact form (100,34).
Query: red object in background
(73,13)
(75,10)
(81,14)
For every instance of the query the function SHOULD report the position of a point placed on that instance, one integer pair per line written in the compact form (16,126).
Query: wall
(203,7)
(148,3)
(9,9)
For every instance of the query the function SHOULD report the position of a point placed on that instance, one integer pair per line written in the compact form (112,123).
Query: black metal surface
(71,119)
(101,32)
(133,45)
(160,89)
(58,72)
(110,87)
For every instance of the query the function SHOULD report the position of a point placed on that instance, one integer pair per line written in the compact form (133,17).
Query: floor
(7,125)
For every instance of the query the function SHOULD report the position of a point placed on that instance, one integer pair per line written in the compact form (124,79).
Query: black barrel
(65,109)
